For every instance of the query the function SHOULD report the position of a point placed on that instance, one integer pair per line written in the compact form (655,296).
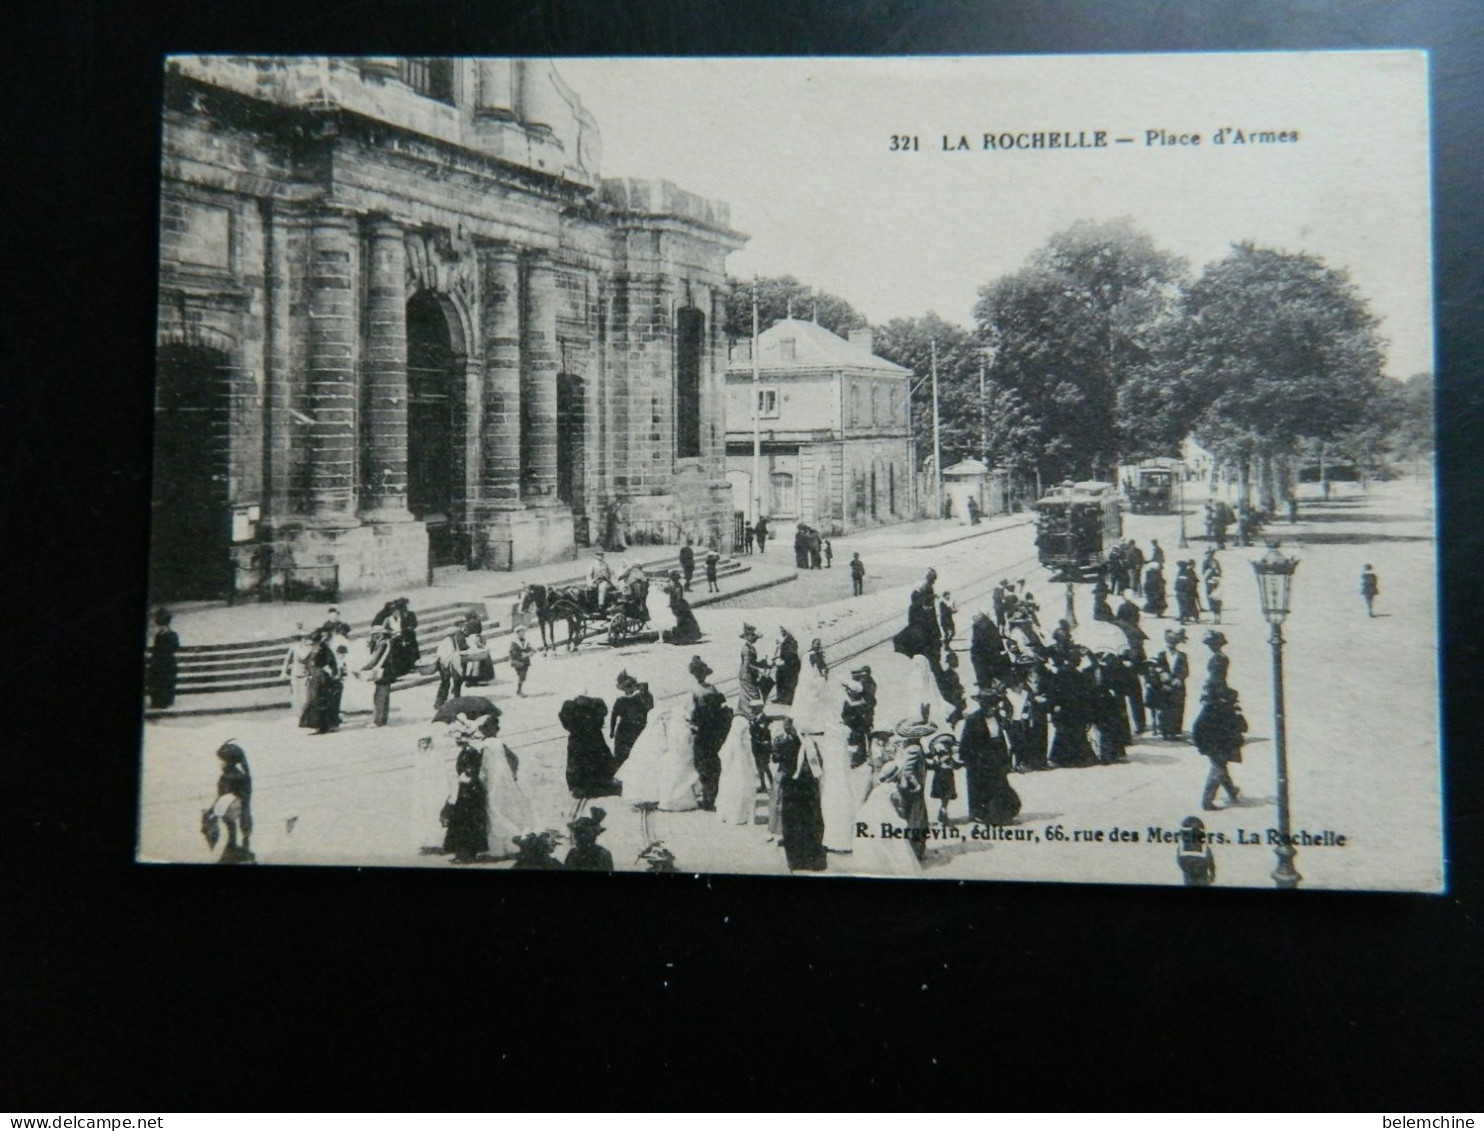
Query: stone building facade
(405,324)
(832,425)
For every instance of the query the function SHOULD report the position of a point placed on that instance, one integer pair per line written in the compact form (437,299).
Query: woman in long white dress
(736,796)
(509,812)
(661,768)
(817,705)
(906,684)
(875,854)
(359,689)
(661,616)
(296,668)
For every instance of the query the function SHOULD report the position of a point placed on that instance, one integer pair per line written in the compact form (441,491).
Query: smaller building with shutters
(831,422)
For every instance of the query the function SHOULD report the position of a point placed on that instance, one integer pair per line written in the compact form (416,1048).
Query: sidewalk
(930,533)
(261,623)
(257,662)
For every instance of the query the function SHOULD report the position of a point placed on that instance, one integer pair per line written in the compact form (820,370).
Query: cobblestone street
(344,797)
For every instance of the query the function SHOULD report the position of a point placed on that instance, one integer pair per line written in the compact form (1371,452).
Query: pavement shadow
(1322,539)
(1147,759)
(1319,516)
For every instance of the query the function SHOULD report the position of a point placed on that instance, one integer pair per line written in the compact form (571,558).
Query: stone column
(332,366)
(538,383)
(384,396)
(499,430)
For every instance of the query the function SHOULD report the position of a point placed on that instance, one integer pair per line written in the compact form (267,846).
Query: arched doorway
(431,385)
(190,546)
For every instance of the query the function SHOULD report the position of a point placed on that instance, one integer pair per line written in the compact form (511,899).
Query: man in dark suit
(687,563)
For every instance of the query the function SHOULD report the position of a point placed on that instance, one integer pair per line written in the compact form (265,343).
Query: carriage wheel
(618,627)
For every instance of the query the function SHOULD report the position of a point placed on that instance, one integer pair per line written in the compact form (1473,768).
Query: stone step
(272,693)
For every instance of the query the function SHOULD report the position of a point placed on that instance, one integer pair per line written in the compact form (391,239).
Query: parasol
(470,706)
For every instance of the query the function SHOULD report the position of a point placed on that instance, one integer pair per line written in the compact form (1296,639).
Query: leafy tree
(1273,351)
(777,296)
(909,342)
(1088,310)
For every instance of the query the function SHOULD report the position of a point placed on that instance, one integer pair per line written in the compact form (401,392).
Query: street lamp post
(1274,574)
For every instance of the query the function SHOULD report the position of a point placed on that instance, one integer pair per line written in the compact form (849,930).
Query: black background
(125,987)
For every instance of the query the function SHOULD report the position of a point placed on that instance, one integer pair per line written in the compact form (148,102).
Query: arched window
(690,334)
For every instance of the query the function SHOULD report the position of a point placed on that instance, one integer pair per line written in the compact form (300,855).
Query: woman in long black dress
(786,668)
(1071,694)
(467,817)
(589,761)
(233,807)
(710,723)
(800,768)
(164,668)
(322,708)
(686,630)
(985,752)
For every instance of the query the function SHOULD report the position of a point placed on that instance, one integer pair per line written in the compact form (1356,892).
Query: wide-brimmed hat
(544,838)
(913,728)
(699,667)
(626,681)
(1214,638)
(1174,635)
(749,633)
(592,822)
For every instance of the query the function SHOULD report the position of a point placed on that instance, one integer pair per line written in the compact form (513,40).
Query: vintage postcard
(933,468)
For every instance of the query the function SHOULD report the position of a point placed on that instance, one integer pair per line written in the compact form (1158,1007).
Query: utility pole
(757,424)
(983,415)
(937,441)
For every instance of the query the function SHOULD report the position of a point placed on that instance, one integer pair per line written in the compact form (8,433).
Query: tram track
(534,740)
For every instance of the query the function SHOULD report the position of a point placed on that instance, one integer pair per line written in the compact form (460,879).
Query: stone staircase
(247,675)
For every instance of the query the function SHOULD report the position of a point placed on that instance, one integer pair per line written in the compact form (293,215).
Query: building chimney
(861,338)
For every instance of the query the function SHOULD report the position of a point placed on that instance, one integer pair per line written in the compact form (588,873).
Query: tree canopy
(909,342)
(1271,349)
(1087,310)
(777,295)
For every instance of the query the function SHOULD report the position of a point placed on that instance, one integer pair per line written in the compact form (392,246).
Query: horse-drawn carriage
(623,616)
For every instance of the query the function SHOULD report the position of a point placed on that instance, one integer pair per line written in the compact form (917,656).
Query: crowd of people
(849,773)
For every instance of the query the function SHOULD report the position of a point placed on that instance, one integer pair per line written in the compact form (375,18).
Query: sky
(801,150)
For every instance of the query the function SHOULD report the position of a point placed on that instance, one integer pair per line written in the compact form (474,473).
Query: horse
(552,604)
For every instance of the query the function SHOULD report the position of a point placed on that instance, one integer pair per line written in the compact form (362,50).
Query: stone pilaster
(500,428)
(332,367)
(538,371)
(384,392)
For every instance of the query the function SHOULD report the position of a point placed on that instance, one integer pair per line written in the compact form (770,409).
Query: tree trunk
(1323,473)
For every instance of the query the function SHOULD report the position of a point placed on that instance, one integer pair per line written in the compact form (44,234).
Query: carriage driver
(600,580)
